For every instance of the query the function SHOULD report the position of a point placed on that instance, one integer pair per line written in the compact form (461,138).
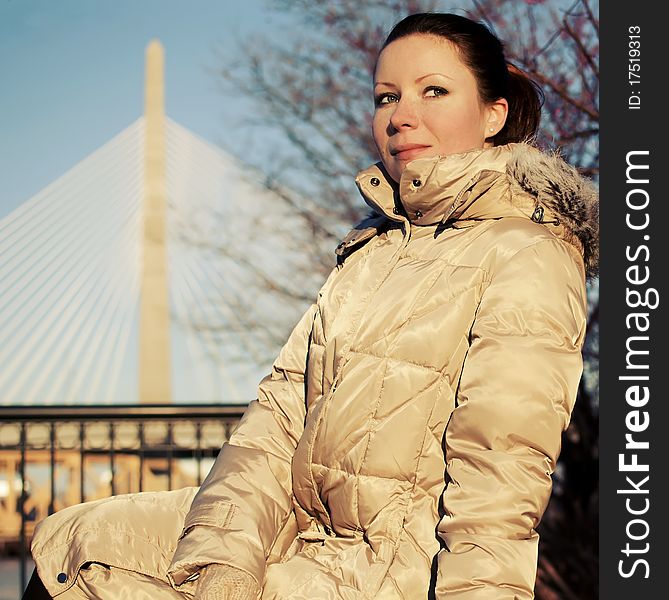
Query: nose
(404,115)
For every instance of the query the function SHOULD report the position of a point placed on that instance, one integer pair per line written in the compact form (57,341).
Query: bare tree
(558,47)
(312,91)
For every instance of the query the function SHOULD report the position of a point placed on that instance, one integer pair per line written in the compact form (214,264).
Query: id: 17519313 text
(634,66)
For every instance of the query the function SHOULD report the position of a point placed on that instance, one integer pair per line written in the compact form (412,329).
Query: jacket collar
(511,180)
(431,190)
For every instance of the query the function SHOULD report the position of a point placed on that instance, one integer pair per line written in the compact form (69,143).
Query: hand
(223,582)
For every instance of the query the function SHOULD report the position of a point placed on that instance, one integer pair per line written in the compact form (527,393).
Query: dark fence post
(22,508)
(52,461)
(141,457)
(112,465)
(170,461)
(198,451)
(82,457)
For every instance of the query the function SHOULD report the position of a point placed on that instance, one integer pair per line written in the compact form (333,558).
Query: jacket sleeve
(246,498)
(515,396)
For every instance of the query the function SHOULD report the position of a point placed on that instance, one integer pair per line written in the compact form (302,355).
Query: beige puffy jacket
(407,434)
(404,442)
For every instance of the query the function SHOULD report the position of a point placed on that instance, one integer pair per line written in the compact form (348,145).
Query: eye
(435,91)
(385,98)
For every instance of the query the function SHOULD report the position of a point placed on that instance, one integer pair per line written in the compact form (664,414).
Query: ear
(496,113)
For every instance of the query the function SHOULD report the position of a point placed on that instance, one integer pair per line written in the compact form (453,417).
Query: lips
(408,151)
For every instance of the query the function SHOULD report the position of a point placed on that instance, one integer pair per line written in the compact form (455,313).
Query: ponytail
(525,100)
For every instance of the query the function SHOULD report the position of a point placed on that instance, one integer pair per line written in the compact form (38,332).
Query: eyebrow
(417,80)
(431,74)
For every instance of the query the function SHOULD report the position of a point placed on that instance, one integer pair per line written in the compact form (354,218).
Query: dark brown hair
(483,53)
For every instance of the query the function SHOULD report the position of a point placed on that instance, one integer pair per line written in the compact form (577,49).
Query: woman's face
(427,103)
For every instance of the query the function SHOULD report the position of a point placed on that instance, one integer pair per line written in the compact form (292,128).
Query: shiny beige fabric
(116,548)
(447,339)
(405,439)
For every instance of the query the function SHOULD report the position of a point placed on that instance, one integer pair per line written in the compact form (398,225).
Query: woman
(402,446)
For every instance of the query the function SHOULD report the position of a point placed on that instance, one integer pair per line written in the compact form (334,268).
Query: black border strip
(633,491)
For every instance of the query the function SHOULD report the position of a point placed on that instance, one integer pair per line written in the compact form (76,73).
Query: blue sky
(71,77)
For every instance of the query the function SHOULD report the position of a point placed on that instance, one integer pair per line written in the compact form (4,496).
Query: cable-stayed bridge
(73,272)
(138,312)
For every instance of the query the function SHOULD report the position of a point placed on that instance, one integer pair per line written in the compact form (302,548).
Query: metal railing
(56,456)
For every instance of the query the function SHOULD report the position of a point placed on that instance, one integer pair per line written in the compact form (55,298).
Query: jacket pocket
(217,514)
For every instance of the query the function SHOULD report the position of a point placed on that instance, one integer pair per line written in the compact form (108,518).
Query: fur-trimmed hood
(558,187)
(510,180)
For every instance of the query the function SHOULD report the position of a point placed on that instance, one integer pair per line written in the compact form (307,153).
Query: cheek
(458,128)
(379,128)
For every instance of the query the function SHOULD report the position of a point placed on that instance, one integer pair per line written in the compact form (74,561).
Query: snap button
(341,244)
(419,214)
(62,578)
(417,183)
(375,181)
(538,214)
(396,211)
